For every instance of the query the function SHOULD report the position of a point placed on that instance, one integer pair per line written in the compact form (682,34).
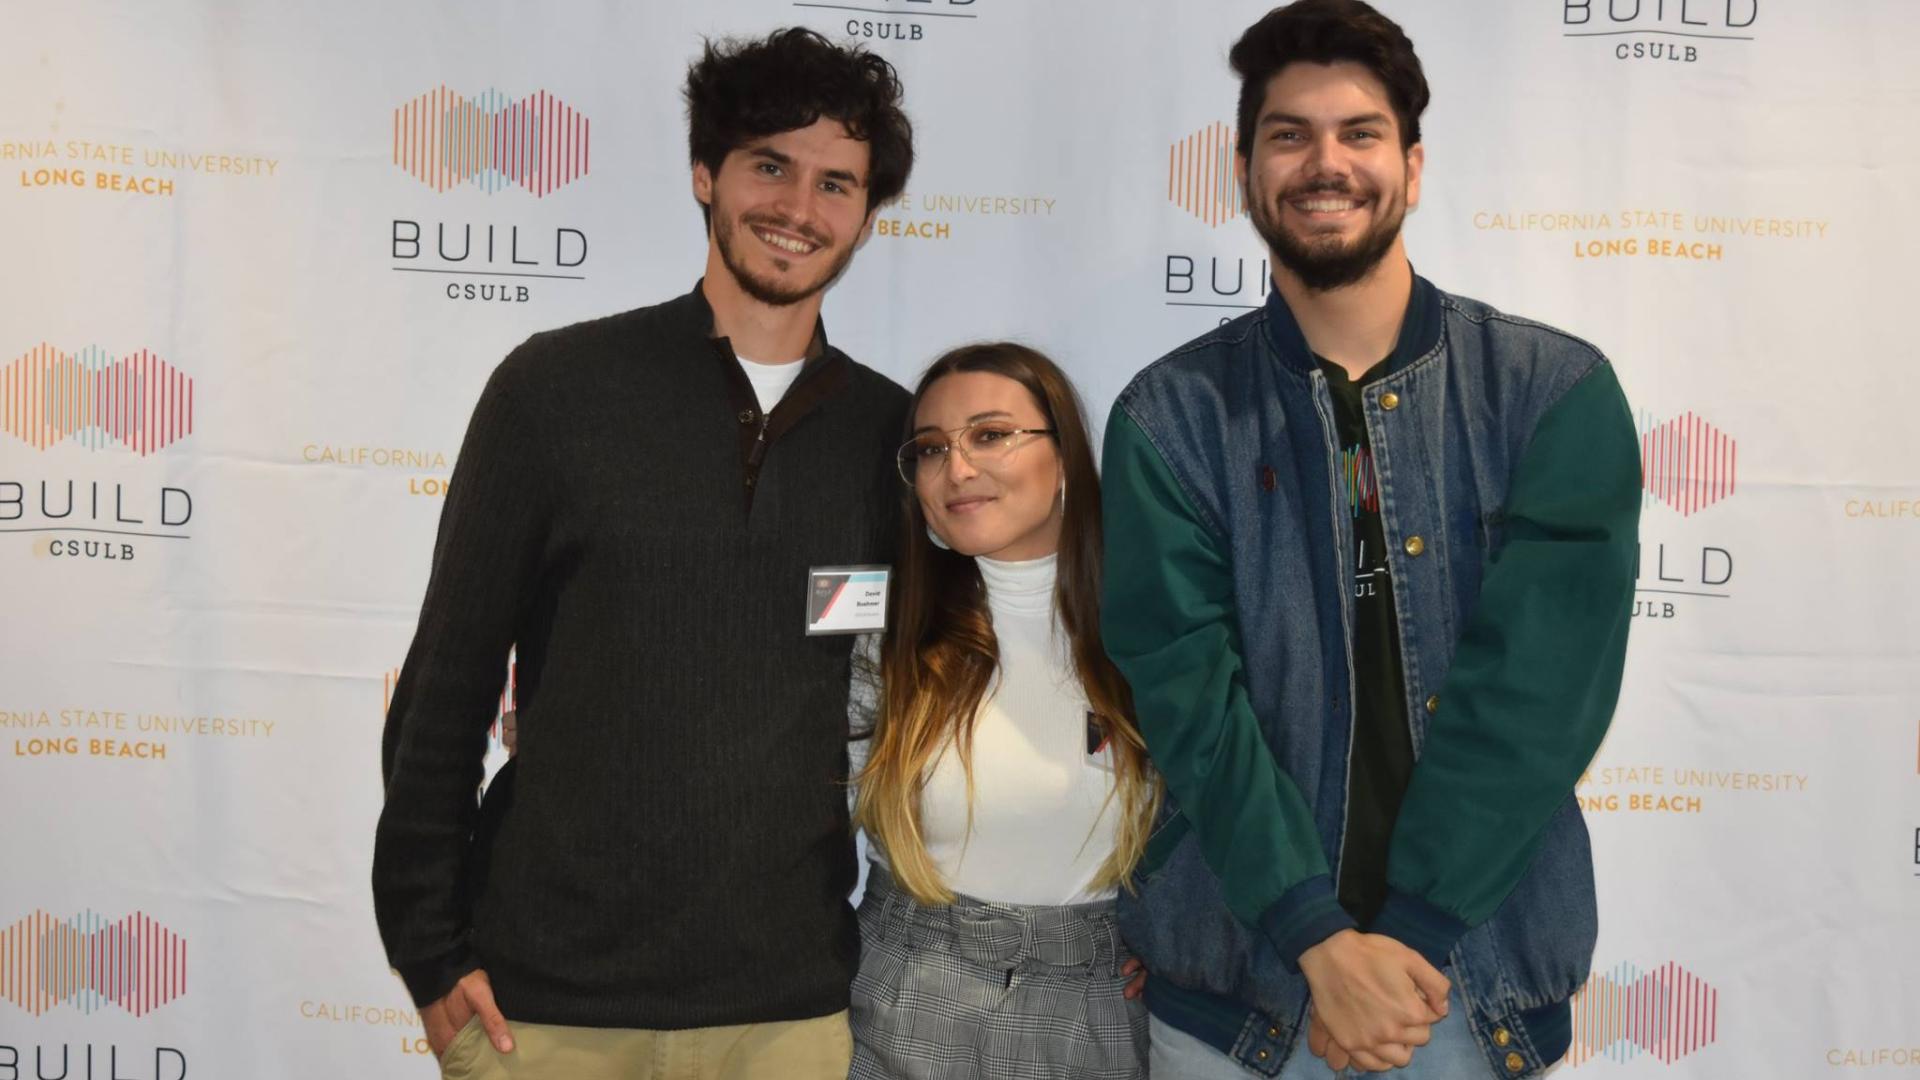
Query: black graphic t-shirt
(1382,757)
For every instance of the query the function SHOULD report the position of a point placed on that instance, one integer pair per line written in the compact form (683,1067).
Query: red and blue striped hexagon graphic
(444,140)
(1200,176)
(139,401)
(1686,463)
(88,962)
(1667,1013)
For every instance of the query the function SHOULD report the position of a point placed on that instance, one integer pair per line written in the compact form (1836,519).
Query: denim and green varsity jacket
(1509,485)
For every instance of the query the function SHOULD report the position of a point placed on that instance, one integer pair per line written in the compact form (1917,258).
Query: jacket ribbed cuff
(1419,926)
(431,980)
(1305,916)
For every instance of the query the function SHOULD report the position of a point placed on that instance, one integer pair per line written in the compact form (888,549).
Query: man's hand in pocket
(470,997)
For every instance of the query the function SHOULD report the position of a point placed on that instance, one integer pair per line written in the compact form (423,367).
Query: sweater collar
(1019,588)
(695,316)
(1419,330)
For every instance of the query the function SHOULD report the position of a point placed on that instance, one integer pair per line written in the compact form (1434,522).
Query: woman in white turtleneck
(1004,787)
(1042,818)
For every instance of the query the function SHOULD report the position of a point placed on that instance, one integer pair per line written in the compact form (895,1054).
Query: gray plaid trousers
(985,991)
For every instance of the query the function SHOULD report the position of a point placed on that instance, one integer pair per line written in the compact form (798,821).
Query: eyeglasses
(985,444)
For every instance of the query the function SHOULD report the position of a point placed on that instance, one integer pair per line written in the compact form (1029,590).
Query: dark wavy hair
(740,90)
(1326,32)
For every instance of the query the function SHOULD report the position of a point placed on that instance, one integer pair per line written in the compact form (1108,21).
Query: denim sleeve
(1169,623)
(1534,678)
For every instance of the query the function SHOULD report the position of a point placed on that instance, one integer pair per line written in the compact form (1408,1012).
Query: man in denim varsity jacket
(1369,570)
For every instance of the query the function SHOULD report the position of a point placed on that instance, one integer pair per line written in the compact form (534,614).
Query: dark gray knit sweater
(677,851)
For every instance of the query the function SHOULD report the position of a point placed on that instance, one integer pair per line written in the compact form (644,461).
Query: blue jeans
(1452,1055)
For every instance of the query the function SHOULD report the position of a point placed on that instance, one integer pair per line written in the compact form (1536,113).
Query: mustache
(1323,187)
(810,235)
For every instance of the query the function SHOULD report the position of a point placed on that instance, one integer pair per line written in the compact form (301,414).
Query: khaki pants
(816,1049)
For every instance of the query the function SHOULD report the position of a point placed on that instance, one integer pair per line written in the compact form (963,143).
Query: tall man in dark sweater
(638,507)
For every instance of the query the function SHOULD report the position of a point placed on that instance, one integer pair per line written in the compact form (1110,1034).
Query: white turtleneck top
(1042,821)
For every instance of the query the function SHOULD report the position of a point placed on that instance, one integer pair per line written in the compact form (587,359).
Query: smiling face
(1010,509)
(788,210)
(1328,184)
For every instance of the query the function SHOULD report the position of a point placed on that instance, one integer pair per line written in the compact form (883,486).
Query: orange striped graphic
(1686,463)
(1200,177)
(539,143)
(140,401)
(134,963)
(1624,1013)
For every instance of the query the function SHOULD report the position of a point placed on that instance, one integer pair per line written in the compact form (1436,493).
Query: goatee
(772,292)
(1326,266)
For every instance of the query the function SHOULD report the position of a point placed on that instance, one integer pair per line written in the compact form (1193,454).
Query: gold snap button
(1515,1063)
(1502,1037)
(1415,546)
(1389,401)
(1433,706)
(1262,1055)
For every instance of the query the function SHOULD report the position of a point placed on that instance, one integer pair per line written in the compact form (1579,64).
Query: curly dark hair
(740,90)
(1326,32)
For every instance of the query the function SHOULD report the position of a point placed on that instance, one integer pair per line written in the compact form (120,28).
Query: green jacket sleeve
(1534,678)
(1169,623)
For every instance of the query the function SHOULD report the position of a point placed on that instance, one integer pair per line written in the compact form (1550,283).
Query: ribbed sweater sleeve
(485,560)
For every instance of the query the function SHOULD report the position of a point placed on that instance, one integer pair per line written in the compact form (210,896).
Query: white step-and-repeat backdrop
(259,260)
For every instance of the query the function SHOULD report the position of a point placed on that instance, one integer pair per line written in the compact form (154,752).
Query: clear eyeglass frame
(917,455)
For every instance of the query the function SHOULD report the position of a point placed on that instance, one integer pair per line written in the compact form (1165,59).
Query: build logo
(1687,466)
(490,143)
(137,404)
(1200,181)
(1661,31)
(908,21)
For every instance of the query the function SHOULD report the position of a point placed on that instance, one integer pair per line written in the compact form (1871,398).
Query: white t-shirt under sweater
(1043,824)
(771,381)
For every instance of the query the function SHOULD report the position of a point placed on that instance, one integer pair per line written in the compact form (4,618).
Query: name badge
(847,599)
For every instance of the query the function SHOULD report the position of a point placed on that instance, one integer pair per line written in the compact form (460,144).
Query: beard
(1325,263)
(766,289)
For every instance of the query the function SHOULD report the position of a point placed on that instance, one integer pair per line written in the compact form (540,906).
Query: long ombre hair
(939,656)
